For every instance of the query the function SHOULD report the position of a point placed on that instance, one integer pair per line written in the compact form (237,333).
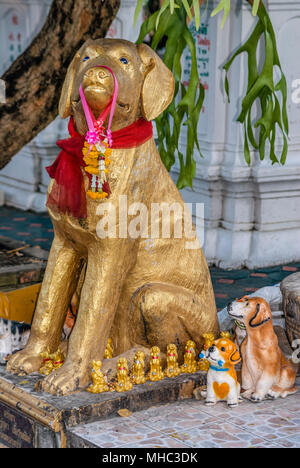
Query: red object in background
(15,20)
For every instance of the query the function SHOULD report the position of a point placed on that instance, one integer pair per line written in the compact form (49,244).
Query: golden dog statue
(189,365)
(108,353)
(140,291)
(138,370)
(123,384)
(155,373)
(173,368)
(99,384)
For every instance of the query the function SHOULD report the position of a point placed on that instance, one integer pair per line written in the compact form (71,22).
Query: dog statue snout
(97,73)
(211,349)
(229,307)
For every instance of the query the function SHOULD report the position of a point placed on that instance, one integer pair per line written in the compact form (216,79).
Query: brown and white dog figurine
(266,373)
(222,383)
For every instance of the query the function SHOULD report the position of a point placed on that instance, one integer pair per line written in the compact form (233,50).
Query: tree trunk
(34,80)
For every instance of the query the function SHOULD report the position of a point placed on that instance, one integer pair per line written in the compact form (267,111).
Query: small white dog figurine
(222,384)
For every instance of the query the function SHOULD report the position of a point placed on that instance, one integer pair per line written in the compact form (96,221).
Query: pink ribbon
(95,126)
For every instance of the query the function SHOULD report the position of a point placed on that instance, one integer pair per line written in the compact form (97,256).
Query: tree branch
(34,80)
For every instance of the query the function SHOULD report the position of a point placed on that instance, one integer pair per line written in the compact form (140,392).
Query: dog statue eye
(223,349)
(124,60)
(85,59)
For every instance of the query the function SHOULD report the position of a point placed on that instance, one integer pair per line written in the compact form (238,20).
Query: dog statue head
(253,312)
(146,85)
(222,351)
(172,351)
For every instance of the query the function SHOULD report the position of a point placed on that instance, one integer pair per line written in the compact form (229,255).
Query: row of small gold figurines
(125,381)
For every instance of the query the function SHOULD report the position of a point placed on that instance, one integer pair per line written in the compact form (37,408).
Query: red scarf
(68,194)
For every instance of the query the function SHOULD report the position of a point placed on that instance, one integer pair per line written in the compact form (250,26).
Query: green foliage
(187,103)
(170,22)
(261,88)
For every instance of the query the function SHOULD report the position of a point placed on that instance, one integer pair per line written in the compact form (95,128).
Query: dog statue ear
(64,107)
(261,316)
(235,358)
(158,86)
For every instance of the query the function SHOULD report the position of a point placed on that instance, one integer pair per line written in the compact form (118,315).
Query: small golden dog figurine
(123,384)
(99,384)
(172,369)
(222,384)
(203,364)
(155,373)
(109,352)
(47,366)
(190,365)
(138,370)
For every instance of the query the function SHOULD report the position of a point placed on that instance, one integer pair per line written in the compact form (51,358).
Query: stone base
(32,419)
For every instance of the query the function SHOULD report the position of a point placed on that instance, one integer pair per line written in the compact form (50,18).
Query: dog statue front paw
(232,404)
(210,403)
(272,395)
(67,379)
(256,398)
(24,362)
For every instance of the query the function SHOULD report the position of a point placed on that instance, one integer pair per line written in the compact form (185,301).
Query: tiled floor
(270,424)
(36,229)
(26,226)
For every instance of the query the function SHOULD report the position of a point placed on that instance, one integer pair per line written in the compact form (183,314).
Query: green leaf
(246,149)
(172,6)
(187,9)
(137,11)
(196,7)
(225,6)
(255,7)
(165,5)
(147,27)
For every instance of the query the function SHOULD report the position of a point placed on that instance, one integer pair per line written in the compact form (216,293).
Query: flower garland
(97,159)
(97,146)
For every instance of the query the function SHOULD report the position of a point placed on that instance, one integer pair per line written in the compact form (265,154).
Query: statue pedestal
(32,419)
